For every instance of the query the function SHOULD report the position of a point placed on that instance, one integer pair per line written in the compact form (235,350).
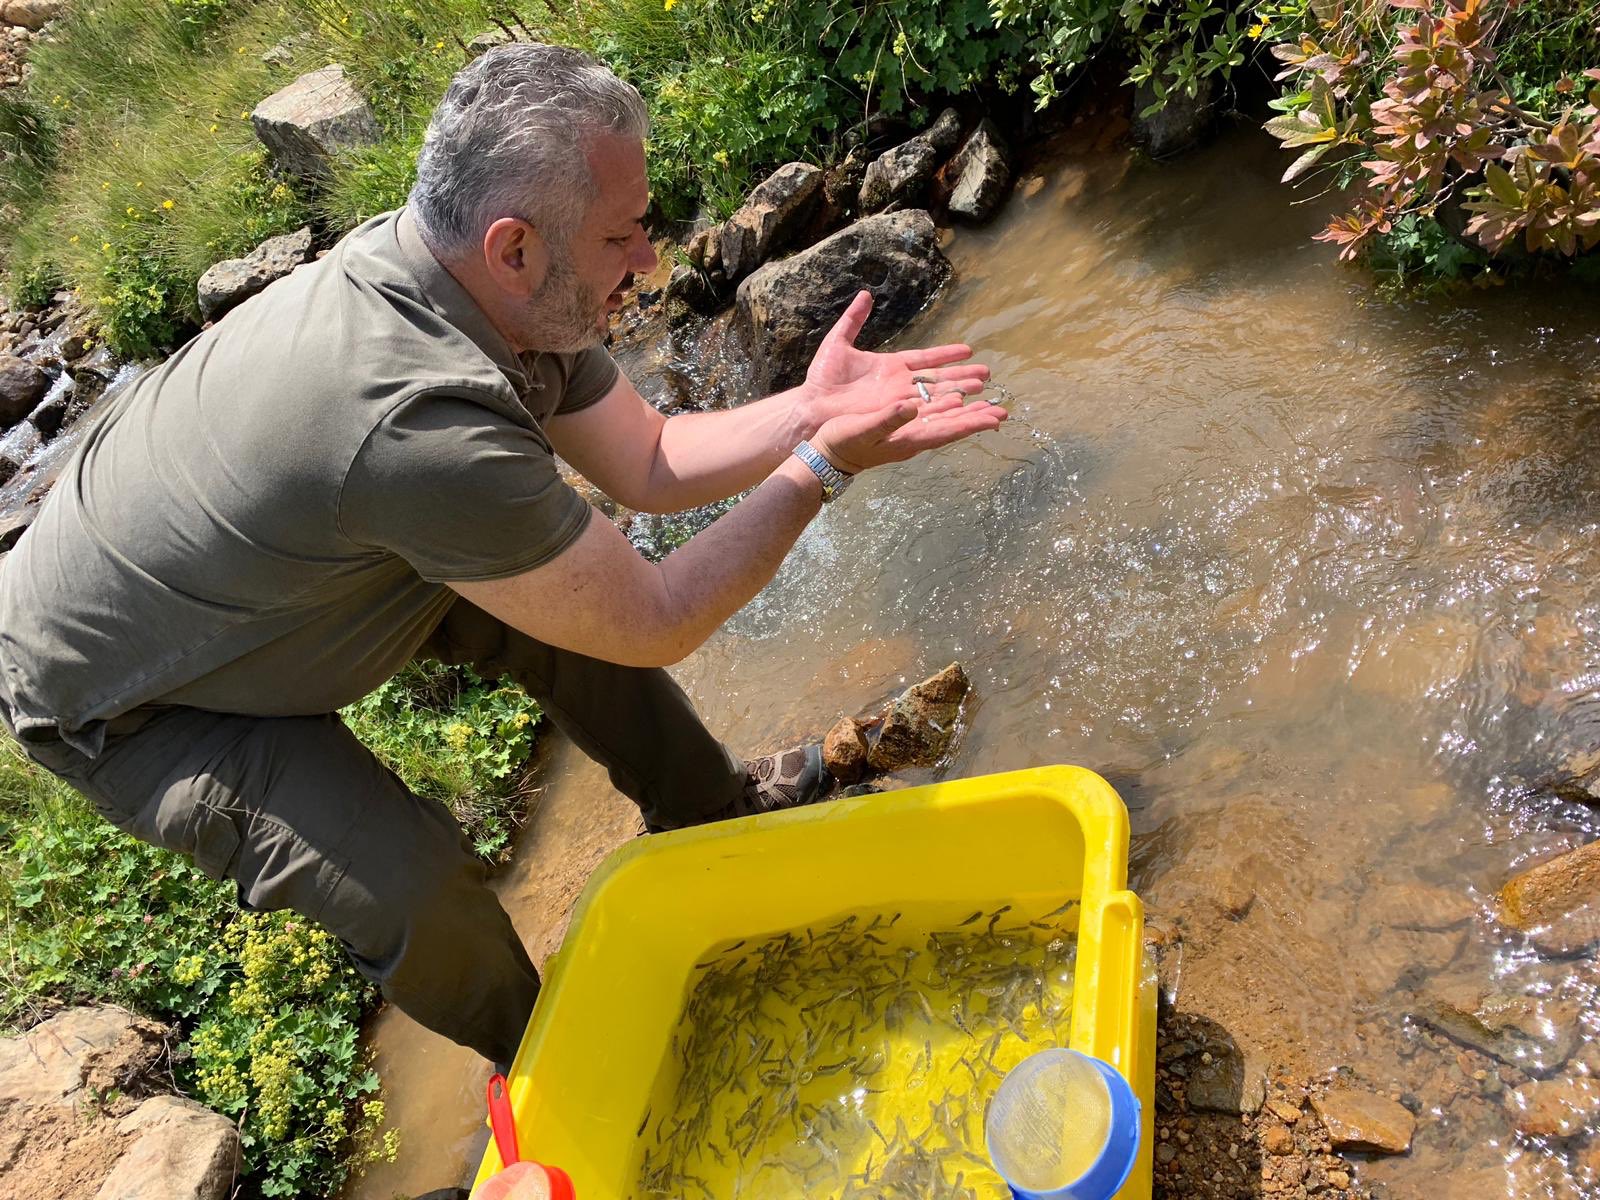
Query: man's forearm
(720,570)
(704,457)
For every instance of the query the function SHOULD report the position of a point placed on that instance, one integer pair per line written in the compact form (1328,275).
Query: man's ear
(516,256)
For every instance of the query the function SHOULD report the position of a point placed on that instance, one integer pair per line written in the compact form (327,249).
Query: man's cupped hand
(867,408)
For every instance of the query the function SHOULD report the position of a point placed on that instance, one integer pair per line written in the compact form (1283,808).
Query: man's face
(586,278)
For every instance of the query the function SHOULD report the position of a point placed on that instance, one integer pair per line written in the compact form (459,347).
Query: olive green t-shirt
(265,522)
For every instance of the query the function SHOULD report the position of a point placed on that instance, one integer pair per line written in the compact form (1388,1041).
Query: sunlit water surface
(1311,575)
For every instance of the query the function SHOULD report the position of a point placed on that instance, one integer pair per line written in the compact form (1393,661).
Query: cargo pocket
(216,841)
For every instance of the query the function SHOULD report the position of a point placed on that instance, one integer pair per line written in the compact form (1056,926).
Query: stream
(1310,575)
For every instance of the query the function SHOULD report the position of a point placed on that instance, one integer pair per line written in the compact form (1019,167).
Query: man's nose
(644,258)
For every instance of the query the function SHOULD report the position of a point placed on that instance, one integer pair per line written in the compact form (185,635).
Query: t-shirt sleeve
(460,492)
(591,374)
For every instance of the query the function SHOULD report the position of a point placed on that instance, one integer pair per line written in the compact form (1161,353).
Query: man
(357,467)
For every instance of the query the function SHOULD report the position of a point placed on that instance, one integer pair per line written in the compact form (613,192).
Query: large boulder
(920,723)
(944,135)
(305,124)
(1181,124)
(180,1150)
(768,220)
(22,386)
(77,1053)
(976,179)
(30,14)
(235,280)
(787,307)
(898,179)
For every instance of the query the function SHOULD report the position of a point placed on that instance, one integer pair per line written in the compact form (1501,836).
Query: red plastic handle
(502,1122)
(505,1139)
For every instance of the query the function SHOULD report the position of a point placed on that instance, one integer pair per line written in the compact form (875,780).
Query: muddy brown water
(1311,576)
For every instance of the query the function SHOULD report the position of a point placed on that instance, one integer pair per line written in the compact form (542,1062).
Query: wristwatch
(834,481)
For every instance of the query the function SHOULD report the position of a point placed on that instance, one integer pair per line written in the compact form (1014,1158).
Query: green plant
(32,289)
(276,1049)
(196,18)
(1423,90)
(455,738)
(271,1004)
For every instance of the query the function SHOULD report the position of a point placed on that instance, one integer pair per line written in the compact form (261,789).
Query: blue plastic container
(1048,1114)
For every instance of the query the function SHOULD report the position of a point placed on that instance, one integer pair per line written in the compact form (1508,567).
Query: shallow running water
(1310,576)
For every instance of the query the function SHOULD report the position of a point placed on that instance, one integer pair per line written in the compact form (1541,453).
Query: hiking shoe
(788,780)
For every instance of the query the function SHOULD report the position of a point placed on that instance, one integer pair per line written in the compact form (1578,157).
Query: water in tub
(855,1059)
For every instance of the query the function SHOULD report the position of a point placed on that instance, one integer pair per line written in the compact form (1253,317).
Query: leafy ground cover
(267,1005)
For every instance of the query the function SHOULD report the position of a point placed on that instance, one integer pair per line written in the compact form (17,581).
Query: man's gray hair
(508,140)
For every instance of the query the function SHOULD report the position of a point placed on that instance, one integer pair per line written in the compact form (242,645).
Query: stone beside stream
(83,1113)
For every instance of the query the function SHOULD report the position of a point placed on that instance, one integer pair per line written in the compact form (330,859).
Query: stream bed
(1310,575)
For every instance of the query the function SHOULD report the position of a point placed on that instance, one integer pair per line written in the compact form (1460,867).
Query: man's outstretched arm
(600,598)
(658,464)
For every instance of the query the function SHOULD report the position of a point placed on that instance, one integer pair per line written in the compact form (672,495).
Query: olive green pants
(300,815)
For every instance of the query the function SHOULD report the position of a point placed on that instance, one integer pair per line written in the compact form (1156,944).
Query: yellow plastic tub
(614,993)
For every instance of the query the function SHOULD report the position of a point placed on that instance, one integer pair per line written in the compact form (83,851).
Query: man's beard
(563,316)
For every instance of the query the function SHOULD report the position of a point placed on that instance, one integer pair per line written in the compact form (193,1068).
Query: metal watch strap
(834,481)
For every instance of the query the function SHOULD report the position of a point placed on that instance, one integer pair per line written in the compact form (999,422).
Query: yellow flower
(213,129)
(138,183)
(166,204)
(132,212)
(241,49)
(106,186)
(721,156)
(439,45)
(1256,30)
(105,247)
(667,5)
(244,116)
(73,239)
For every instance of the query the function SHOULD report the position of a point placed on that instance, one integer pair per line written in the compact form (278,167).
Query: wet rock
(768,220)
(919,724)
(30,14)
(944,135)
(1558,901)
(305,124)
(1399,958)
(841,186)
(14,525)
(20,444)
(975,180)
(1360,1120)
(1555,1107)
(786,307)
(689,295)
(844,751)
(59,1062)
(1277,1140)
(1536,1034)
(1229,1083)
(234,280)
(22,385)
(898,179)
(180,1150)
(51,415)
(1180,125)
(1418,906)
